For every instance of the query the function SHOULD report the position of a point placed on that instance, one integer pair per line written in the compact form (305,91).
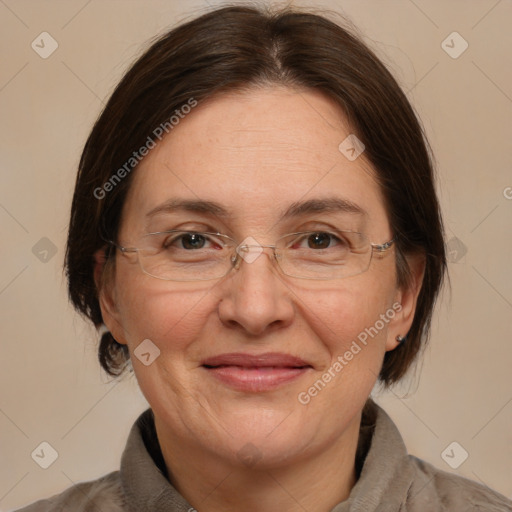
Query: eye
(193,241)
(318,240)
(187,240)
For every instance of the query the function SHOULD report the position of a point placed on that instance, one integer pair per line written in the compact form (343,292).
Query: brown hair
(234,48)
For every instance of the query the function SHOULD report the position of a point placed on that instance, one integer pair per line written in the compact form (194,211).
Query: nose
(255,299)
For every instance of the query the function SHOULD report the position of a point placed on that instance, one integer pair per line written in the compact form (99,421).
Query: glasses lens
(186,255)
(324,254)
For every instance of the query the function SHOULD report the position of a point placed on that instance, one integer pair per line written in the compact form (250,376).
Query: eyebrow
(296,209)
(325,205)
(189,205)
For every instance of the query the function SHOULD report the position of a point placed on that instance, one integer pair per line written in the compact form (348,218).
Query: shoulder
(103,494)
(398,481)
(451,492)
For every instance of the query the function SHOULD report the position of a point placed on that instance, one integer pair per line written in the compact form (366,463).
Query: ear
(406,299)
(105,284)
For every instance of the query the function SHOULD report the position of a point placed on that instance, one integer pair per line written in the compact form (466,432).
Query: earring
(401,339)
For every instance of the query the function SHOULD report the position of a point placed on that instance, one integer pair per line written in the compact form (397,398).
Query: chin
(271,445)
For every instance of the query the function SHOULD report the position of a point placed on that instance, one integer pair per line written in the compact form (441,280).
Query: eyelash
(170,241)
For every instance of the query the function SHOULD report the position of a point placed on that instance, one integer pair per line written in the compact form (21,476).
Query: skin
(255,153)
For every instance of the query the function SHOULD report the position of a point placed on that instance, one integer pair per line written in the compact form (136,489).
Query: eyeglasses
(198,256)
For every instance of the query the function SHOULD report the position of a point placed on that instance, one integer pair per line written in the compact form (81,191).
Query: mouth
(255,373)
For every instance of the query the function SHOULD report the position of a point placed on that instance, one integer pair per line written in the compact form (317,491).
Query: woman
(256,226)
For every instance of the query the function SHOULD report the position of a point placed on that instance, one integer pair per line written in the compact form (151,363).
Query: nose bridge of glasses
(250,250)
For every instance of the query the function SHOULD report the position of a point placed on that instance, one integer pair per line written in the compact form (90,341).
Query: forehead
(256,152)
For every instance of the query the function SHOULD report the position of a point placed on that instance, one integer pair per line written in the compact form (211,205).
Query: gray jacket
(389,480)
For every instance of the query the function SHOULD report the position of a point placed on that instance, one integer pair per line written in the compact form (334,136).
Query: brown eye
(319,240)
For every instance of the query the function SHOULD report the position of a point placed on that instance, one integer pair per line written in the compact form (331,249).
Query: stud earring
(401,339)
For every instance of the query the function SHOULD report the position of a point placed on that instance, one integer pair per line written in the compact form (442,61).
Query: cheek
(340,387)
(171,315)
(340,315)
(352,325)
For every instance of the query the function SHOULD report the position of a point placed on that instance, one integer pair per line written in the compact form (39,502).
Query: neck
(318,482)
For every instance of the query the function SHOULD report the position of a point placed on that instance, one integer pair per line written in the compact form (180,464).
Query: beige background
(51,386)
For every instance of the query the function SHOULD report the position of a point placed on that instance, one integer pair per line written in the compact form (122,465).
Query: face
(255,154)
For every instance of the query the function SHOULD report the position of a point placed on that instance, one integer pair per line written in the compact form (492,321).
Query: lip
(256,361)
(256,373)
